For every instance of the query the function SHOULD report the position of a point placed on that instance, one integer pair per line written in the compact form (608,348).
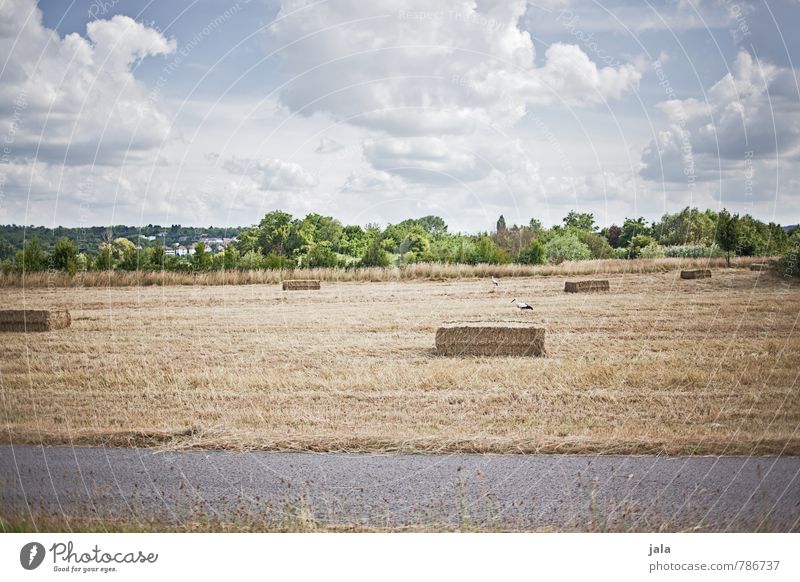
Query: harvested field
(656,366)
(586,286)
(23,320)
(696,274)
(490,339)
(301,285)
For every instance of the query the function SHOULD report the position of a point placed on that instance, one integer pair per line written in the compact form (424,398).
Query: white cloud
(272,174)
(76,98)
(411,69)
(749,114)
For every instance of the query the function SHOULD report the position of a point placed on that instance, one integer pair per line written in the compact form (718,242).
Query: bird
(495,281)
(522,305)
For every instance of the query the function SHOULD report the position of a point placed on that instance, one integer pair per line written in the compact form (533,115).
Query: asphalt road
(517,492)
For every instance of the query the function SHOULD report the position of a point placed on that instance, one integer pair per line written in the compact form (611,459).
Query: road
(505,492)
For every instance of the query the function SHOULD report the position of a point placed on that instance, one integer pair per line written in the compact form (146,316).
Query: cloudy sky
(206,112)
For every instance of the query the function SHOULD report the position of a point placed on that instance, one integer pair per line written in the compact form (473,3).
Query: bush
(693,252)
(534,254)
(598,245)
(250,261)
(567,247)
(652,251)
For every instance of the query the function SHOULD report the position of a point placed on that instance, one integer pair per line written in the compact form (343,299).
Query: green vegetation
(281,241)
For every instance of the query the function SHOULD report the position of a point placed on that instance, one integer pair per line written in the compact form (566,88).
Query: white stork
(522,305)
(495,281)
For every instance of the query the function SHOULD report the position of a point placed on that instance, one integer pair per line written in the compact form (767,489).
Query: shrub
(534,254)
(598,245)
(652,251)
(693,252)
(567,247)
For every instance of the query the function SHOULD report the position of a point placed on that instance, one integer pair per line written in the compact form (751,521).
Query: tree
(157,256)
(31,257)
(200,260)
(65,256)
(612,234)
(375,256)
(580,221)
(273,232)
(105,259)
(486,251)
(597,244)
(727,236)
(501,225)
(567,247)
(631,228)
(534,254)
(321,255)
(230,257)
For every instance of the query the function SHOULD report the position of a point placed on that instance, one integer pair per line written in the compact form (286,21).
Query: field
(656,365)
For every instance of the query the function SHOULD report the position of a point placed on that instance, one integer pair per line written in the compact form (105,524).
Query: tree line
(281,241)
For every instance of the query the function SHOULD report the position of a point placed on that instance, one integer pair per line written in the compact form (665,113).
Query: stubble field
(656,365)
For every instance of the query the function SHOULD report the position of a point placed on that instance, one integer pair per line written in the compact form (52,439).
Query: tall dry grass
(424,271)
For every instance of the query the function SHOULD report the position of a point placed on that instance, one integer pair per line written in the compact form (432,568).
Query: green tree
(322,255)
(580,221)
(105,259)
(533,254)
(727,235)
(157,257)
(65,256)
(631,228)
(486,251)
(375,256)
(598,245)
(31,258)
(201,259)
(230,257)
(273,232)
(567,247)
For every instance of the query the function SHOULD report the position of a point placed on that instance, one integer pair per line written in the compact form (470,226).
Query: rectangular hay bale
(759,266)
(301,285)
(586,286)
(34,319)
(490,339)
(696,274)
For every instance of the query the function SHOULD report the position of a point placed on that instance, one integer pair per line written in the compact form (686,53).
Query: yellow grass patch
(654,366)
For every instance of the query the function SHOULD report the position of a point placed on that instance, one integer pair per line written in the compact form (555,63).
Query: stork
(522,305)
(495,281)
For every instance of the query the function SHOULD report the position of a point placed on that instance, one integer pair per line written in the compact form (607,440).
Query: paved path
(640,493)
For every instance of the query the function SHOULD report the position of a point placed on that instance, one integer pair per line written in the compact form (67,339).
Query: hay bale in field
(586,286)
(301,285)
(696,274)
(759,266)
(490,339)
(34,319)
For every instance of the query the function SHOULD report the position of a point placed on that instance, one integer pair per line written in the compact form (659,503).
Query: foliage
(534,254)
(580,221)
(598,245)
(375,256)
(727,236)
(652,251)
(567,247)
(65,256)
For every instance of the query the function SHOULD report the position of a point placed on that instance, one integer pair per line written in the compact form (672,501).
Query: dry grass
(658,365)
(429,271)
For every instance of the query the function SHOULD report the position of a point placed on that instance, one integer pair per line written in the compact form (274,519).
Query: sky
(204,112)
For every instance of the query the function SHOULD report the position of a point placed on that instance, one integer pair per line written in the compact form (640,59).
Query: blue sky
(201,112)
